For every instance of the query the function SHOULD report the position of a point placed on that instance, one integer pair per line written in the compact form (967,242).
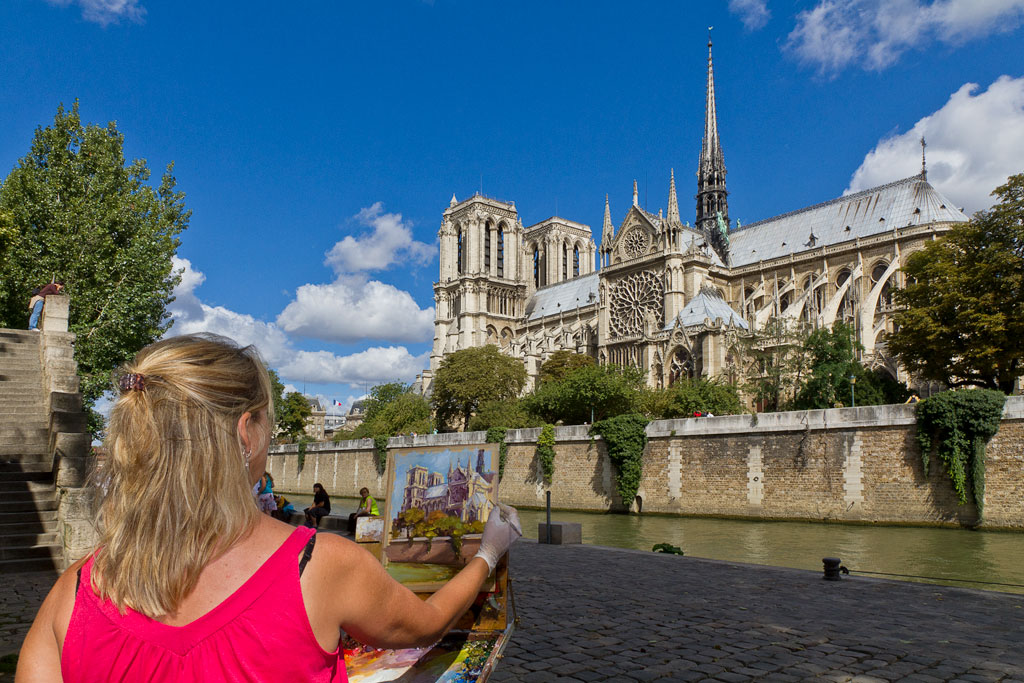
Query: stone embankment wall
(845,464)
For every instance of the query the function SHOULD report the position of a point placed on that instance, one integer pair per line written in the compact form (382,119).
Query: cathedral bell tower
(712,202)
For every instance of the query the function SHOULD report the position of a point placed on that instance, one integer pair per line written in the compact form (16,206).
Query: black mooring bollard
(831,568)
(549,517)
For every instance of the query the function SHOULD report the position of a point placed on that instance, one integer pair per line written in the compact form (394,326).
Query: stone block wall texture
(845,464)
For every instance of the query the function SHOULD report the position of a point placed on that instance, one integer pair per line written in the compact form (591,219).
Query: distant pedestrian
(38,300)
(321,506)
(367,508)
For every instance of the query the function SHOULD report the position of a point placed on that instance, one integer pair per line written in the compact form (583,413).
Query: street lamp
(853,396)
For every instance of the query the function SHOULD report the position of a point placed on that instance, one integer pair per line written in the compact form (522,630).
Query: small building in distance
(315,421)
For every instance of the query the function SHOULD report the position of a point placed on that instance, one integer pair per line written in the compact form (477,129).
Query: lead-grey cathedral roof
(707,307)
(563,297)
(911,201)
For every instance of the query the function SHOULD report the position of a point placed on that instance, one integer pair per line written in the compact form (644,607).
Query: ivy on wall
(303,441)
(626,437)
(956,425)
(380,445)
(497,435)
(546,452)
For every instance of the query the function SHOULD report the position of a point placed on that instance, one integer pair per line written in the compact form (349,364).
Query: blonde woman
(177,591)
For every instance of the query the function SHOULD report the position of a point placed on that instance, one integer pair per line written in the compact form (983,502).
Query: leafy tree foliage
(561,364)
(777,363)
(403,414)
(956,425)
(380,396)
(625,437)
(688,396)
(73,209)
(293,418)
(546,452)
(510,414)
(963,316)
(832,364)
(277,391)
(468,378)
(601,391)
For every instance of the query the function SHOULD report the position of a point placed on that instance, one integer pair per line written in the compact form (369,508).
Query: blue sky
(318,142)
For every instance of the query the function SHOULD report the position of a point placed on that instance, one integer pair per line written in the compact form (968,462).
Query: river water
(955,557)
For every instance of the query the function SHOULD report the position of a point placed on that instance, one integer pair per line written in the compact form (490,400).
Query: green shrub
(380,445)
(625,437)
(668,548)
(546,452)
(497,435)
(956,425)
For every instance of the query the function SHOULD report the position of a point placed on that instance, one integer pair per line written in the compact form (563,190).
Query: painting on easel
(439,502)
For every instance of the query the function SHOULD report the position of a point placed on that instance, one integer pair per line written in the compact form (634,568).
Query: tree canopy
(688,396)
(295,412)
(588,393)
(469,377)
(75,210)
(962,321)
(560,364)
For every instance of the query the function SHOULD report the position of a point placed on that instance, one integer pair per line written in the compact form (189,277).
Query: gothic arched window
(536,267)
(885,297)
(460,255)
(576,261)
(487,248)
(565,261)
(680,366)
(501,251)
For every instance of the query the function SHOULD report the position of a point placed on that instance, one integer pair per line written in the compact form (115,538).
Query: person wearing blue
(39,299)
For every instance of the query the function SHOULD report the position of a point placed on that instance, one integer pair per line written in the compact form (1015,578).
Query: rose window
(634,244)
(633,299)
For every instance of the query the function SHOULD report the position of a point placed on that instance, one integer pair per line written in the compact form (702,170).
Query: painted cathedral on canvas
(671,298)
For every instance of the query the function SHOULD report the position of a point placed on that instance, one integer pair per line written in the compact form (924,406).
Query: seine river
(979,558)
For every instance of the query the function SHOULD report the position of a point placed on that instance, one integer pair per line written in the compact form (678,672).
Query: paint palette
(438,500)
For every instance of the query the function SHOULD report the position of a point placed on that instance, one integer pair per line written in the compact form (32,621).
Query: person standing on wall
(35,304)
(367,508)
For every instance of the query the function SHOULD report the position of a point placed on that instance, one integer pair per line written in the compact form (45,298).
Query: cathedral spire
(712,203)
(608,232)
(673,202)
(636,195)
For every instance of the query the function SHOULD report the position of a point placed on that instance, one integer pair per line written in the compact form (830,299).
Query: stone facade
(669,298)
(857,465)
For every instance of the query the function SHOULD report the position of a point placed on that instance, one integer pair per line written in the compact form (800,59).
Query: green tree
(687,396)
(589,392)
(832,363)
(74,209)
(296,412)
(277,391)
(468,378)
(962,321)
(509,413)
(561,364)
(776,363)
(380,396)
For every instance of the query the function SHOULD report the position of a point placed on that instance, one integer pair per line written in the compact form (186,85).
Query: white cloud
(352,308)
(370,366)
(389,242)
(106,12)
(753,13)
(975,141)
(835,34)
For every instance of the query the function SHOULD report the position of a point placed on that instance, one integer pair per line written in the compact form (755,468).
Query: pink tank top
(259,633)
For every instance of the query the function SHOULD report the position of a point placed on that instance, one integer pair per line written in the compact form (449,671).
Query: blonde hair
(176,479)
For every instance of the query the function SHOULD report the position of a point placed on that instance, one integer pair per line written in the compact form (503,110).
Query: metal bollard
(831,568)
(549,517)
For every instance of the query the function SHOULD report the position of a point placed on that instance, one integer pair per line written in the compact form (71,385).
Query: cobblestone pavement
(20,598)
(600,614)
(589,613)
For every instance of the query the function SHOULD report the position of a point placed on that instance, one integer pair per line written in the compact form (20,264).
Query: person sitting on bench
(321,506)
(367,508)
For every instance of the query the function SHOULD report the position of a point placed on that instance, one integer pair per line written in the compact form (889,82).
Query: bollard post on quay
(832,565)
(549,517)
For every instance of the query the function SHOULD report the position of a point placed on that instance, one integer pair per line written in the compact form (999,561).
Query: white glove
(501,531)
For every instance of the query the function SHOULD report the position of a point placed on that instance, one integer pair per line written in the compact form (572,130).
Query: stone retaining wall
(844,464)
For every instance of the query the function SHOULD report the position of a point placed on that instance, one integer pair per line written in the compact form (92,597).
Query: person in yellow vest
(367,508)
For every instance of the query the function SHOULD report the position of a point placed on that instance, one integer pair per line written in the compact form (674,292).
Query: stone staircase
(28,494)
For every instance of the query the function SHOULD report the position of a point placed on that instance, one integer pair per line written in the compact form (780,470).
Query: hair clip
(132,382)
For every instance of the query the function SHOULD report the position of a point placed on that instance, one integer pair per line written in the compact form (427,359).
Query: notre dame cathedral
(670,298)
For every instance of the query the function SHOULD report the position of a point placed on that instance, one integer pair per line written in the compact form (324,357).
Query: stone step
(27,518)
(29,451)
(31,552)
(28,538)
(21,402)
(14,375)
(38,564)
(28,433)
(28,505)
(33,527)
(18,478)
(28,356)
(12,487)
(9,466)
(30,498)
